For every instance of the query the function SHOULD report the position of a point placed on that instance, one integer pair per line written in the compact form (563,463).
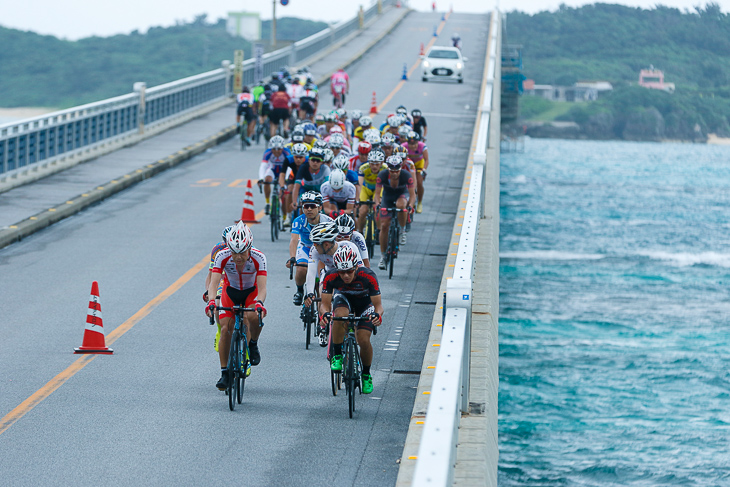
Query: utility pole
(273,23)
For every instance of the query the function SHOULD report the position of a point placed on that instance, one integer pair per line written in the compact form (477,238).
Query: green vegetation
(46,71)
(613,43)
(541,110)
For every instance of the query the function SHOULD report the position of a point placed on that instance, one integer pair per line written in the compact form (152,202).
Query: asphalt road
(150,414)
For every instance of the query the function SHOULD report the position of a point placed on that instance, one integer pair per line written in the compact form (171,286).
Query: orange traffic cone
(247,214)
(374,106)
(94,333)
(422,52)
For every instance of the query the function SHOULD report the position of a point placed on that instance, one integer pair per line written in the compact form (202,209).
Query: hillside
(47,71)
(613,43)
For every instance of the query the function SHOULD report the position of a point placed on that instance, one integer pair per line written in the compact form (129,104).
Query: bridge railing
(39,146)
(449,394)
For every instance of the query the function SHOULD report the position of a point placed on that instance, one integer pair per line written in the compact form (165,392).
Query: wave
(686,259)
(549,255)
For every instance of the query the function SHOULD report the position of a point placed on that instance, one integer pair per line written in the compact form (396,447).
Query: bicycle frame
(351,362)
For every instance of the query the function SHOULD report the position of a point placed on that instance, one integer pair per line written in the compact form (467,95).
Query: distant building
(581,91)
(654,79)
(244,24)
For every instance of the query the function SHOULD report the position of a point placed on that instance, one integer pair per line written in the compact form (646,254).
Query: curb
(39,221)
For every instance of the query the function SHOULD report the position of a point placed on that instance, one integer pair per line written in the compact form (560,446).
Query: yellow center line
(415,65)
(9,419)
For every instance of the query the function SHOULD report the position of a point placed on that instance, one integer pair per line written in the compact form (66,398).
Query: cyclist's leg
(341,308)
(401,203)
(227,324)
(300,275)
(384,227)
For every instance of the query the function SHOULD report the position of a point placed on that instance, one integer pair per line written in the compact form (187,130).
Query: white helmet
(366,121)
(373,139)
(336,140)
(345,258)
(324,232)
(239,239)
(356,114)
(394,120)
(337,180)
(341,162)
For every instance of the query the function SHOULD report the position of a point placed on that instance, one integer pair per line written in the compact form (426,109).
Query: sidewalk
(27,209)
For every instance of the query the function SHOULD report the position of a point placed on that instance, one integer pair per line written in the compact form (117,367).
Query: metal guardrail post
(140,87)
(226,65)
(459,296)
(380,7)
(361,17)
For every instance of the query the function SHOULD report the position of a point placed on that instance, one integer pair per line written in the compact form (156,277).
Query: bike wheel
(241,373)
(350,377)
(336,380)
(308,329)
(233,358)
(244,134)
(370,235)
(274,216)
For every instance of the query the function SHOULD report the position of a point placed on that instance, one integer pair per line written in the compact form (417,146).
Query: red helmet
(364,147)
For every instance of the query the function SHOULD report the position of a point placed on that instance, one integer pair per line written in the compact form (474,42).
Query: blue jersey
(352,177)
(302,227)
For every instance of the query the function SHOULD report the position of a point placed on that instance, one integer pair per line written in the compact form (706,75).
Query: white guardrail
(449,396)
(38,145)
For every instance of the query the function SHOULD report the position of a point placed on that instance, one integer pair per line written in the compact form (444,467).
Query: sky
(74,19)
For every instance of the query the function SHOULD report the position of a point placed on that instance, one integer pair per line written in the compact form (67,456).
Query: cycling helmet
(331,117)
(394,162)
(336,140)
(345,225)
(297,136)
(277,142)
(345,258)
(373,139)
(376,155)
(312,197)
(393,120)
(455,37)
(341,113)
(404,119)
(337,179)
(416,113)
(341,162)
(299,149)
(413,135)
(364,147)
(403,131)
(317,154)
(225,232)
(310,129)
(319,144)
(336,130)
(388,138)
(328,155)
(401,151)
(366,121)
(324,232)
(356,115)
(239,238)
(401,110)
(319,118)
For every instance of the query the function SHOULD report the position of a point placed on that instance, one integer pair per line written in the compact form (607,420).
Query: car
(442,62)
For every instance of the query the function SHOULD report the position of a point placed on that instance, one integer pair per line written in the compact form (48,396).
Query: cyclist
(398,191)
(352,288)
(365,124)
(338,144)
(339,82)
(405,118)
(297,137)
(338,194)
(271,165)
(310,135)
(419,124)
(355,116)
(245,105)
(310,176)
(279,111)
(213,253)
(368,175)
(299,156)
(308,102)
(363,149)
(418,153)
(300,244)
(342,163)
(294,90)
(244,285)
(456,41)
(347,232)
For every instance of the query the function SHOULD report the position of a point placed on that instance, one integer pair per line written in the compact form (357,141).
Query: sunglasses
(310,206)
(316,160)
(351,271)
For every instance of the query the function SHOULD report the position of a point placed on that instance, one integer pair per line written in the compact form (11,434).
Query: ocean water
(614,315)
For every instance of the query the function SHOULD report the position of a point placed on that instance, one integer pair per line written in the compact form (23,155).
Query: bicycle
(338,97)
(310,314)
(370,226)
(244,133)
(277,225)
(238,360)
(351,363)
(391,252)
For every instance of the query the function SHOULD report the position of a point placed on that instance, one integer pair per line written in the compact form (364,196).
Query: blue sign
(285,2)
(465,297)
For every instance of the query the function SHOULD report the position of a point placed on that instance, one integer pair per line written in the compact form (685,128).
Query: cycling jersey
(339,78)
(245,277)
(359,241)
(213,253)
(356,162)
(244,99)
(420,126)
(291,167)
(272,165)
(369,178)
(364,285)
(346,195)
(302,227)
(328,260)
(309,181)
(257,92)
(417,154)
(280,100)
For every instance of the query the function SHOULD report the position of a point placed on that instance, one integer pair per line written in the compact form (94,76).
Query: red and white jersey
(339,78)
(240,278)
(294,91)
(244,97)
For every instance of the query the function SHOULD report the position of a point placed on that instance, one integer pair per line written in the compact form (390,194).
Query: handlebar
(351,318)
(237,309)
(293,262)
(261,183)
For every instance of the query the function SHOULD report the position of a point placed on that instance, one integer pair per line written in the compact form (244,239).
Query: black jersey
(364,285)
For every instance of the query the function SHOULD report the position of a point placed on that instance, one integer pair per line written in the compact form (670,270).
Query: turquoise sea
(614,315)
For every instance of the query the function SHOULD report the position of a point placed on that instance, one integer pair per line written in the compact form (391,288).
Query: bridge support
(139,88)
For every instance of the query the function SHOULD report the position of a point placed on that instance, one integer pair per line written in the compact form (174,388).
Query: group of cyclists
(332,170)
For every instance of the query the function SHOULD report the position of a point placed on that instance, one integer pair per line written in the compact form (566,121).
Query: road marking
(45,391)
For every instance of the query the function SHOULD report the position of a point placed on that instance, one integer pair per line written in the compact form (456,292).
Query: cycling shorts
(303,253)
(388,201)
(359,307)
(273,172)
(278,114)
(237,297)
(419,164)
(247,112)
